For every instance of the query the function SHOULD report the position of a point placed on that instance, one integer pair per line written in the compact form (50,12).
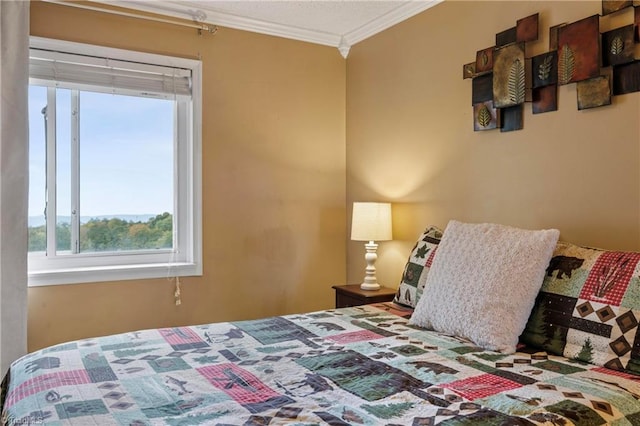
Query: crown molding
(395,16)
(343,42)
(273,29)
(202,15)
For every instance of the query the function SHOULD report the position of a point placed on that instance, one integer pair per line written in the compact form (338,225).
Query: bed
(360,365)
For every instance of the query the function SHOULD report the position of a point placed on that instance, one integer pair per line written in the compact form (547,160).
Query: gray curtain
(14,178)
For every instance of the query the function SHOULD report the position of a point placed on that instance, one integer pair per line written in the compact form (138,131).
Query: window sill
(113,273)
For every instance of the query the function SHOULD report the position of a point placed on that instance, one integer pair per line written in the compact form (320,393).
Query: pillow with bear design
(588,308)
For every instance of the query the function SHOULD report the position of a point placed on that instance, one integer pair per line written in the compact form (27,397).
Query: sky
(126,154)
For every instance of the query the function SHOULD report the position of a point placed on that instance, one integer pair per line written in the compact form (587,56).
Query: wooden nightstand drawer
(353,295)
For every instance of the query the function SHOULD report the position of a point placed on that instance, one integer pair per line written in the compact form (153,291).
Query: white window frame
(185,259)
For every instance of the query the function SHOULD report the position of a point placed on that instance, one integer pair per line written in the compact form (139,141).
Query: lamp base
(370,280)
(369,286)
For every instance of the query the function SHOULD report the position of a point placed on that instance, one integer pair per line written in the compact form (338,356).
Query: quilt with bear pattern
(349,366)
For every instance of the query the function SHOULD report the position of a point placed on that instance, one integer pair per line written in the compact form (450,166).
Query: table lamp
(371,222)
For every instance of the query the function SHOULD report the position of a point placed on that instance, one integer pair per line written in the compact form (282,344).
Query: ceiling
(338,23)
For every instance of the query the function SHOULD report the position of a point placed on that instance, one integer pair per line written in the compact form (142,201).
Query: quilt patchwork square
(609,277)
(69,410)
(244,387)
(481,386)
(354,336)
(580,413)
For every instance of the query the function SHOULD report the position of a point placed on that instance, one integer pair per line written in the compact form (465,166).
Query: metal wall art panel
(626,78)
(617,46)
(508,75)
(544,69)
(484,60)
(579,50)
(594,93)
(545,99)
(482,89)
(610,6)
(469,70)
(527,28)
(512,118)
(485,116)
(553,36)
(506,37)
(637,23)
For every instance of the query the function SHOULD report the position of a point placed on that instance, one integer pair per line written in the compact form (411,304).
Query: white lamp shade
(371,222)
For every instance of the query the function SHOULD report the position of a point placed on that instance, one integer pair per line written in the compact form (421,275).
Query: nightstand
(353,295)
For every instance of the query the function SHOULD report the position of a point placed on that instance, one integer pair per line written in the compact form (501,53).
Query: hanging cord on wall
(177,291)
(176,294)
(202,28)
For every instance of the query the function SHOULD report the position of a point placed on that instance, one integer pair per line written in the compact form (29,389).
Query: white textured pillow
(483,282)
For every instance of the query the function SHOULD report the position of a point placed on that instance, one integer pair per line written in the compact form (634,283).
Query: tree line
(109,235)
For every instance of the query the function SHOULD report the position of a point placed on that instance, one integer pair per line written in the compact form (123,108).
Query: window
(114,164)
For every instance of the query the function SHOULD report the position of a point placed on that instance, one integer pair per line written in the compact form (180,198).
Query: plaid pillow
(416,270)
(588,308)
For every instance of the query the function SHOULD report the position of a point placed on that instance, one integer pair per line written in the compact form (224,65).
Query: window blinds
(69,70)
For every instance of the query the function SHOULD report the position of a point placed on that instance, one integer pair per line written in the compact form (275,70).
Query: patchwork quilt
(360,365)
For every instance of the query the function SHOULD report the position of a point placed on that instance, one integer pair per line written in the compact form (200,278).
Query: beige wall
(274,161)
(410,138)
(273,183)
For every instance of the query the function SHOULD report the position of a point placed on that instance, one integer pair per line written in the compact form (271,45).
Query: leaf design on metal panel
(468,69)
(566,65)
(484,59)
(516,82)
(617,45)
(544,69)
(484,116)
